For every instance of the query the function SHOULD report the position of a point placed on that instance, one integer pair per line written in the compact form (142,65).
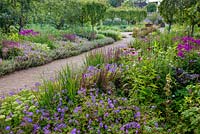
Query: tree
(168,9)
(7,16)
(116,3)
(95,10)
(190,13)
(128,3)
(15,12)
(151,7)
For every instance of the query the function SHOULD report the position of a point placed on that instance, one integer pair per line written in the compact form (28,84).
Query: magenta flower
(180,54)
(28,32)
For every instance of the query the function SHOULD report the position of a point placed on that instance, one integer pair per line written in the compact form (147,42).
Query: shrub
(115,35)
(70,37)
(10,49)
(100,36)
(43,39)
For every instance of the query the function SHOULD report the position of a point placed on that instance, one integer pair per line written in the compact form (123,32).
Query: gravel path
(27,78)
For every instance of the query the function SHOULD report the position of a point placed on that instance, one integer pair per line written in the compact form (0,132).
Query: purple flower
(106,114)
(101,124)
(36,127)
(137,115)
(73,131)
(122,128)
(20,132)
(136,108)
(131,125)
(105,126)
(91,68)
(117,111)
(30,113)
(87,116)
(93,99)
(180,54)
(11,93)
(37,84)
(7,128)
(18,101)
(47,131)
(82,91)
(29,120)
(156,124)
(77,109)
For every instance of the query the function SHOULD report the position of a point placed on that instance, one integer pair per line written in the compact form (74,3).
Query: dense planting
(145,88)
(150,86)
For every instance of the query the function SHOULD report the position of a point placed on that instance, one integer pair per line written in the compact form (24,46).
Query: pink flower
(1,61)
(139,58)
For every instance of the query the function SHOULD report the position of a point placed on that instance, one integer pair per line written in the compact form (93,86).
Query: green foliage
(94,59)
(115,3)
(42,39)
(151,7)
(100,36)
(95,10)
(128,14)
(109,33)
(168,9)
(16,104)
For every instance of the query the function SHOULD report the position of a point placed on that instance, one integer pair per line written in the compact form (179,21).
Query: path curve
(27,78)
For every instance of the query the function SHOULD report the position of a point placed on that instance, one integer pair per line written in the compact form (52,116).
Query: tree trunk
(20,24)
(93,34)
(170,26)
(192,30)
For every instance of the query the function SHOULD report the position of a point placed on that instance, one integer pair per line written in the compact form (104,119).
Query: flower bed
(147,89)
(33,49)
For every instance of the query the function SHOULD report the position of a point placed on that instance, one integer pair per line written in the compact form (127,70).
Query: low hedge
(9,66)
(113,34)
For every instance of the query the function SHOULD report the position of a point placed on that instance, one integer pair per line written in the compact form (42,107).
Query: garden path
(27,78)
